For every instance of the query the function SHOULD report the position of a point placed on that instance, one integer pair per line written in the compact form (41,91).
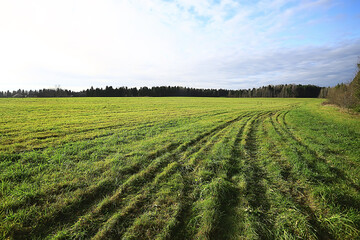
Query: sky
(232,44)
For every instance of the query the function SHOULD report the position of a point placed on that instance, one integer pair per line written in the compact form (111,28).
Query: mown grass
(178,168)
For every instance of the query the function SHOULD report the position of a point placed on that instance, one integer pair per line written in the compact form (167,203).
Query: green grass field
(178,168)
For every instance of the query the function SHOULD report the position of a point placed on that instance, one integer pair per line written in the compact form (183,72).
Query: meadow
(178,168)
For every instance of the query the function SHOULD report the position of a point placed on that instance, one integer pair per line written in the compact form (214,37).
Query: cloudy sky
(195,43)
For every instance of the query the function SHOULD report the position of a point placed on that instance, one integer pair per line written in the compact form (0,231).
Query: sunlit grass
(178,168)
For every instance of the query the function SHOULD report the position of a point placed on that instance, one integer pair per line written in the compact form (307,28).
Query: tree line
(284,90)
(346,95)
(41,93)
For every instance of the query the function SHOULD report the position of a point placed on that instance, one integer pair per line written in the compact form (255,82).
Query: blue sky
(204,43)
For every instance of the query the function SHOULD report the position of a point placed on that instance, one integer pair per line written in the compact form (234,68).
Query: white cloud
(151,42)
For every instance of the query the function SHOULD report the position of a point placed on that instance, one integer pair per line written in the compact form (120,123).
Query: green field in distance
(178,168)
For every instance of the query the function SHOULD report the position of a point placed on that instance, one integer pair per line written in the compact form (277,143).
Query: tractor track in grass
(242,156)
(339,175)
(199,142)
(243,161)
(70,212)
(300,195)
(146,175)
(225,204)
(77,135)
(183,220)
(252,169)
(186,170)
(255,191)
(128,216)
(117,224)
(328,175)
(94,193)
(285,186)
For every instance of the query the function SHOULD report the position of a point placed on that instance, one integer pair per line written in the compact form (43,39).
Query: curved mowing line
(35,199)
(285,128)
(303,200)
(69,212)
(282,124)
(149,173)
(76,135)
(180,220)
(285,184)
(285,169)
(248,138)
(189,160)
(182,148)
(255,191)
(90,195)
(126,215)
(228,215)
(340,175)
(58,189)
(205,231)
(249,135)
(185,172)
(319,173)
(179,229)
(227,208)
(93,193)
(284,136)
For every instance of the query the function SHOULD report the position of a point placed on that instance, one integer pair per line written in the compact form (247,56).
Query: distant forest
(287,90)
